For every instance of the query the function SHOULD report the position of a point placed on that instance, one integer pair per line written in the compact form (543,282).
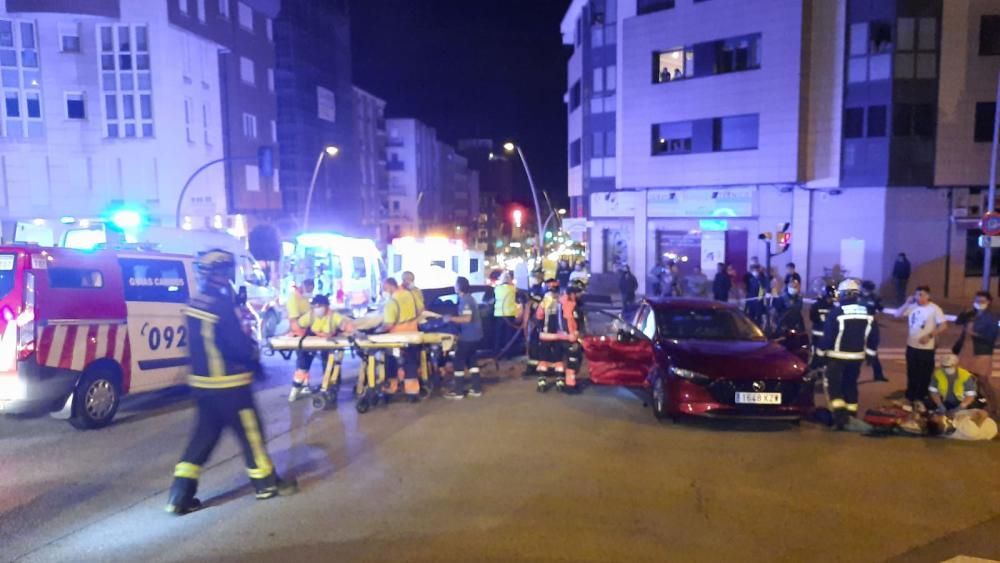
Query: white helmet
(848,286)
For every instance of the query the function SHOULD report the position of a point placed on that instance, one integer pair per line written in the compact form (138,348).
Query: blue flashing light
(127,219)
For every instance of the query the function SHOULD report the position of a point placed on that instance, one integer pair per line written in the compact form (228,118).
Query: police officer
(871,299)
(849,335)
(400,315)
(322,322)
(818,312)
(223,362)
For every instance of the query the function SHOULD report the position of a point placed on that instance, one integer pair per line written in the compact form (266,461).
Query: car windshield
(715,324)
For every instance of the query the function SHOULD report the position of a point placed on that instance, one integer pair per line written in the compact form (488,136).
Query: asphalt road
(513,476)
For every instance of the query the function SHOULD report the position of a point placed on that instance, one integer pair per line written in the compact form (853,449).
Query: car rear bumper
(35,389)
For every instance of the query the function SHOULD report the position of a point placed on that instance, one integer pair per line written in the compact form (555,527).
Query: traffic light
(517,216)
(784,239)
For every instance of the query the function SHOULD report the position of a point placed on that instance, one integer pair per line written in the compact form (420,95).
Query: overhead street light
(510,147)
(328,151)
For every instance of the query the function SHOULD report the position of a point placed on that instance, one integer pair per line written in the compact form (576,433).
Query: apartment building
(369,115)
(696,125)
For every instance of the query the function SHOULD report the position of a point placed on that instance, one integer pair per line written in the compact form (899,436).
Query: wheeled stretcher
(372,350)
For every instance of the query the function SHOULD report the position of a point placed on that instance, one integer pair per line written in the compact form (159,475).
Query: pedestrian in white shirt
(926,322)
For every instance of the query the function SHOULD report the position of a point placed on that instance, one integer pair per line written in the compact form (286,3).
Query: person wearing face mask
(981,324)
(788,309)
(870,299)
(322,322)
(952,388)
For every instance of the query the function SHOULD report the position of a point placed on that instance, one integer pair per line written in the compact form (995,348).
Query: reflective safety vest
(506,300)
(400,313)
(418,297)
(963,386)
(328,324)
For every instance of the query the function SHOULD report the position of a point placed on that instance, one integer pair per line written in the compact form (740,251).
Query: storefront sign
(614,204)
(722,202)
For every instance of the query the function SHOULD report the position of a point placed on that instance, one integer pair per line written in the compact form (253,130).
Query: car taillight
(26,320)
(25,334)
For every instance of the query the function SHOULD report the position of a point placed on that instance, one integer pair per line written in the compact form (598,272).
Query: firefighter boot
(543,384)
(182,500)
(277,487)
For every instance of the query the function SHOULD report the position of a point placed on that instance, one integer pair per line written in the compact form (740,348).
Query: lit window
(270,28)
(246,17)
(270,79)
(183,6)
(670,65)
(253,178)
(201,10)
(224,8)
(247,71)
(74,106)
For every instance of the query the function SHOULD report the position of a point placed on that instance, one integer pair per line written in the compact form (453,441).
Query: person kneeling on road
(223,361)
(468,342)
(323,322)
(849,335)
(952,388)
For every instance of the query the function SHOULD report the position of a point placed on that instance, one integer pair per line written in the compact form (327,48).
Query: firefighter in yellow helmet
(223,361)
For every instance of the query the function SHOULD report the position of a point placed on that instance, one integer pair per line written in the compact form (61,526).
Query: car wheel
(95,400)
(659,399)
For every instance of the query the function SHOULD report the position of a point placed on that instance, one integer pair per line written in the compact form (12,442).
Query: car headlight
(12,389)
(689,375)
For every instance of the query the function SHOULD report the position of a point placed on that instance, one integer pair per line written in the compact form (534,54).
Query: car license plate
(758,398)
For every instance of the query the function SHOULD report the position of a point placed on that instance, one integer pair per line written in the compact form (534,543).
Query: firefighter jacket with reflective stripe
(506,300)
(818,313)
(849,333)
(222,355)
(549,312)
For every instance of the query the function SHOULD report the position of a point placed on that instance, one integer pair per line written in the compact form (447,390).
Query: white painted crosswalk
(899,354)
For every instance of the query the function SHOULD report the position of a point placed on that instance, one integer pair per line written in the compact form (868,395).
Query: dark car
(704,358)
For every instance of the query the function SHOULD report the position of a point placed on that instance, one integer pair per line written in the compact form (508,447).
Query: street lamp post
(330,151)
(511,147)
(180,198)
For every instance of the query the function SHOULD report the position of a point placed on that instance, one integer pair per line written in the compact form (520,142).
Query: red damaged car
(704,358)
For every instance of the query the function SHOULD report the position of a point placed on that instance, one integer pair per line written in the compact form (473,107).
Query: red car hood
(734,359)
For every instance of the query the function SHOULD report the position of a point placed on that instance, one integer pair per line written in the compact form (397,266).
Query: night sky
(471,68)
